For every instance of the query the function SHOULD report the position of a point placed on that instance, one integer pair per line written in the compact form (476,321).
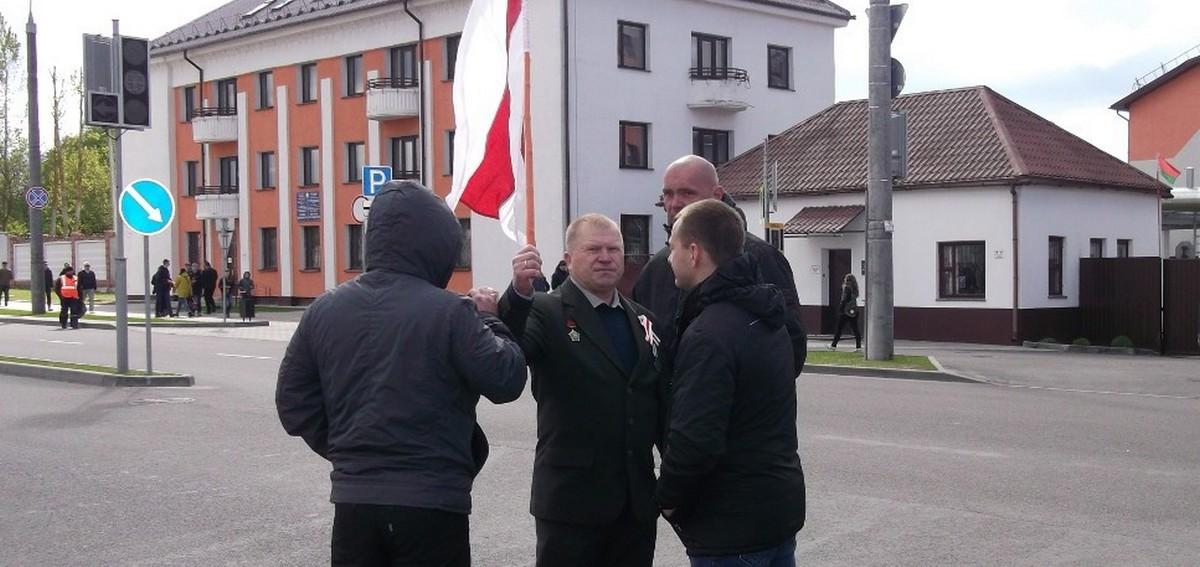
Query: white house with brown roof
(998,207)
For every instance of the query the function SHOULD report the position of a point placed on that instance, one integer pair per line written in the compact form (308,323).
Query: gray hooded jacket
(384,372)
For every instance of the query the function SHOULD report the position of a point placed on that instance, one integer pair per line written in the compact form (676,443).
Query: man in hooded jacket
(731,483)
(382,377)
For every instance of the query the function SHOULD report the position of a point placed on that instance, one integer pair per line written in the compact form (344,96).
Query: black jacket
(731,472)
(383,373)
(655,288)
(208,279)
(87,280)
(849,299)
(596,423)
(161,280)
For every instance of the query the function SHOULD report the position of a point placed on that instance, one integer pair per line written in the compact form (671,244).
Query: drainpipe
(566,110)
(203,147)
(1016,257)
(420,81)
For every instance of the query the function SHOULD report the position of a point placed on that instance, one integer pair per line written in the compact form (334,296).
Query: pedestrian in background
(48,283)
(208,284)
(847,312)
(6,278)
(183,293)
(67,288)
(161,285)
(559,276)
(246,289)
(87,287)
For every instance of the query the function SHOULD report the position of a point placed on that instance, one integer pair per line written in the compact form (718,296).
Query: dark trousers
(779,556)
(367,535)
(210,305)
(50,297)
(842,319)
(625,542)
(4,292)
(162,303)
(72,305)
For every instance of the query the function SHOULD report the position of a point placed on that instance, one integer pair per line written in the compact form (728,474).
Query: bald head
(687,180)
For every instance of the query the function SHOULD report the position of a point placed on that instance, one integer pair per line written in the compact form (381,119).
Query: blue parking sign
(374,177)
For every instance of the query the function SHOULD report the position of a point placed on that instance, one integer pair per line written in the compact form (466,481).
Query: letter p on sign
(374,177)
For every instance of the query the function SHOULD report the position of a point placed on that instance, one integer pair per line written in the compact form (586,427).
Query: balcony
(214,124)
(719,88)
(216,202)
(391,98)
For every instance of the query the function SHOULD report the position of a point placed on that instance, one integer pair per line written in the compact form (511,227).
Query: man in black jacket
(731,483)
(162,284)
(687,180)
(208,283)
(382,377)
(87,287)
(599,403)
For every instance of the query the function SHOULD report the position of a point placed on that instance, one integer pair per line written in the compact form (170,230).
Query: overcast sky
(1067,60)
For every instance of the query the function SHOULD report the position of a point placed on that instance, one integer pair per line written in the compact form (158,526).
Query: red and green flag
(1167,172)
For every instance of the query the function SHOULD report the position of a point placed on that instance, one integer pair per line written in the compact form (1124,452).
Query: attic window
(256,9)
(279,5)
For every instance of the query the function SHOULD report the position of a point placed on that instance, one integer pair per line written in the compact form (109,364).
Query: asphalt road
(899,472)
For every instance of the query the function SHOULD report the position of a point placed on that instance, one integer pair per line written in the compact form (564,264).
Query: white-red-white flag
(489,113)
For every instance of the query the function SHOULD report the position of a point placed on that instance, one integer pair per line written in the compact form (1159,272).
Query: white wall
(1078,215)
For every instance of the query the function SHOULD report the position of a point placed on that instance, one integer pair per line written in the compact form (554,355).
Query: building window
(402,64)
(710,56)
(449,161)
(310,166)
(189,103)
(228,170)
(227,94)
(962,270)
(266,170)
(631,46)
(779,67)
(354,161)
(1097,246)
(635,145)
(1056,266)
(712,145)
(191,173)
(464,254)
(354,245)
(1124,247)
(266,89)
(405,164)
(308,83)
(193,247)
(311,238)
(268,255)
(354,75)
(635,232)
(452,42)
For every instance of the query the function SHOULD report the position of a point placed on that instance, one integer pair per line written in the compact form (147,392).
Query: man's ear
(695,252)
(719,193)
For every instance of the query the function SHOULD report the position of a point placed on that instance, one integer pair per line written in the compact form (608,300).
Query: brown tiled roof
(822,220)
(968,136)
(822,7)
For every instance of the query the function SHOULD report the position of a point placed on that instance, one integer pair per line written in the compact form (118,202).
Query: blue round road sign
(37,197)
(147,207)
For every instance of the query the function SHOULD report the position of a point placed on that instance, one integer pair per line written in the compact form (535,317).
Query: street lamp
(226,234)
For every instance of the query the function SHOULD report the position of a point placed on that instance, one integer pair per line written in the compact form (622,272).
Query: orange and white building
(265,111)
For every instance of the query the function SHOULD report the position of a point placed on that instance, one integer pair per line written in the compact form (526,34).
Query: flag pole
(527,149)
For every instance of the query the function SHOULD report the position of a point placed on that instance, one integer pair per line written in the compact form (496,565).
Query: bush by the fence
(1081,342)
(1122,342)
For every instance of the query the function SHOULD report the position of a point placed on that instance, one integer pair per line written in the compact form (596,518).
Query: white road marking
(250,356)
(58,342)
(927,448)
(1097,392)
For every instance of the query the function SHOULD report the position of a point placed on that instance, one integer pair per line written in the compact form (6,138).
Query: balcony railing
(719,74)
(215,111)
(214,124)
(393,97)
(719,88)
(216,190)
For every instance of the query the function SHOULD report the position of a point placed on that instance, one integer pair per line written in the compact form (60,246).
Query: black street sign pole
(37,283)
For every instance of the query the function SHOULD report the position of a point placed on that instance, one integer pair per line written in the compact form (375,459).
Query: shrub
(1122,342)
(1081,342)
(1050,340)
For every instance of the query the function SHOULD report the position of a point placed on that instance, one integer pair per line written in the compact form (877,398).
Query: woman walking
(848,312)
(246,289)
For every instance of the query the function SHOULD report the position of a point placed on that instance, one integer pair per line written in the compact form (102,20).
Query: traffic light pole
(114,152)
(37,283)
(880,291)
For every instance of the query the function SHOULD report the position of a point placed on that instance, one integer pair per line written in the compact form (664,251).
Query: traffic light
(135,82)
(896,15)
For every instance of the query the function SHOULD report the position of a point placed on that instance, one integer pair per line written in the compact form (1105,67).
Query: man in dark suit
(599,403)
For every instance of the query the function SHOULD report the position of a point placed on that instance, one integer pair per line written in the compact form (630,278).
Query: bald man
(688,180)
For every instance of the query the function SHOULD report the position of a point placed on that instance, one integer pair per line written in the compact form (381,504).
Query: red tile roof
(822,220)
(968,136)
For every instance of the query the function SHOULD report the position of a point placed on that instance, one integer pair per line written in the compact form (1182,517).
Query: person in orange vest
(67,288)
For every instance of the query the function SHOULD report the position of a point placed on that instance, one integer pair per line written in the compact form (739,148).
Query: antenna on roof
(281,4)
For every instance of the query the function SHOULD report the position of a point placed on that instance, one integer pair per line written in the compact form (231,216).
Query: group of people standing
(383,375)
(193,289)
(73,290)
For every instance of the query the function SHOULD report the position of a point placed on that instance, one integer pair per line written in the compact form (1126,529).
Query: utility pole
(37,283)
(114,160)
(884,21)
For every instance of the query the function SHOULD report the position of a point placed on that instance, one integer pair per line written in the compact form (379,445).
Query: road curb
(1089,349)
(91,378)
(85,324)
(896,373)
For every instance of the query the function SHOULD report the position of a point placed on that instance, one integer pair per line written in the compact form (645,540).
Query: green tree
(13,146)
(86,206)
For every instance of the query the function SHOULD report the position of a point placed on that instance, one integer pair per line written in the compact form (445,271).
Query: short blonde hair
(596,220)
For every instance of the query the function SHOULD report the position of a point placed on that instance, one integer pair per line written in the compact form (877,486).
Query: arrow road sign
(147,207)
(37,197)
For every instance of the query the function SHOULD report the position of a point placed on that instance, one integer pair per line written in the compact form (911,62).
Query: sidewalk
(107,314)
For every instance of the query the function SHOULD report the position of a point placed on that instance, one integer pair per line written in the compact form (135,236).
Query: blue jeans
(783,555)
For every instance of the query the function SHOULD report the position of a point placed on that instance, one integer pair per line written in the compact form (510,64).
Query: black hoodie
(383,373)
(731,472)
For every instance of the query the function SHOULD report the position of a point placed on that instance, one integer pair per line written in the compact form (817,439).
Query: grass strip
(74,366)
(856,359)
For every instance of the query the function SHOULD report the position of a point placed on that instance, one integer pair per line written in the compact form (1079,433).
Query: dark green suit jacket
(596,423)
